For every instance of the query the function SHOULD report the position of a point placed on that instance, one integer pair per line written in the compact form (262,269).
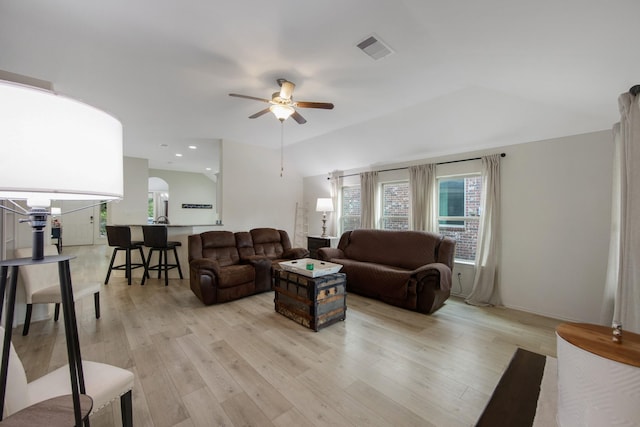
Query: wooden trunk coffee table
(314,302)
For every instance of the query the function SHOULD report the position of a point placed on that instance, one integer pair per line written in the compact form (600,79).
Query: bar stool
(155,237)
(119,236)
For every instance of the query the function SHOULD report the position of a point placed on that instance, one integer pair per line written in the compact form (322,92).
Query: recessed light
(208,169)
(193,147)
(178,155)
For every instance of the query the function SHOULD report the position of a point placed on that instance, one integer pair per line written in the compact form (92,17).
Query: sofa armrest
(205,264)
(433,287)
(204,277)
(262,266)
(326,254)
(295,253)
(438,268)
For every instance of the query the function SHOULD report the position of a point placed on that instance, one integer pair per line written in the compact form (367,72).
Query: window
(103,219)
(459,213)
(395,206)
(350,215)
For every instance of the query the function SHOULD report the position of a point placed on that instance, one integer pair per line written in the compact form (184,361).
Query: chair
(56,233)
(42,286)
(103,383)
(155,238)
(216,272)
(119,236)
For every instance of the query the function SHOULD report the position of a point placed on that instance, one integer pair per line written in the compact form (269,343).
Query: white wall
(190,188)
(556,197)
(132,209)
(253,193)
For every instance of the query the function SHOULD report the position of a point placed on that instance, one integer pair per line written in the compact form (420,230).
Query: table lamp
(55,148)
(324,205)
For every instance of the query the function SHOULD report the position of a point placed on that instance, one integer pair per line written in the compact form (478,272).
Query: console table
(70,325)
(598,379)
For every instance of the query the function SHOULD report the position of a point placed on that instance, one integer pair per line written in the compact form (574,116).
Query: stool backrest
(155,235)
(37,277)
(119,235)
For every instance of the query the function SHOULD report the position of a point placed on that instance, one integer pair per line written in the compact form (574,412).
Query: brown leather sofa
(225,266)
(409,269)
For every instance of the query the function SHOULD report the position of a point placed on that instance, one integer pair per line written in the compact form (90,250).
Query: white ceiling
(465,75)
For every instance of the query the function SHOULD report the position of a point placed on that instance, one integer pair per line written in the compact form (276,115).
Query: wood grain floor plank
(266,397)
(384,407)
(204,409)
(243,411)
(212,372)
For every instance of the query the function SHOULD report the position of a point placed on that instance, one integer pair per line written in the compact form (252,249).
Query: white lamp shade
(324,205)
(53,147)
(282,112)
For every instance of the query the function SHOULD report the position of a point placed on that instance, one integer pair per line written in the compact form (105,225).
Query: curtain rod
(407,167)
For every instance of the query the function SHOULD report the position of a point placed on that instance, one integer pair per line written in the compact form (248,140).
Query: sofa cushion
(375,280)
(220,246)
(404,249)
(268,242)
(235,275)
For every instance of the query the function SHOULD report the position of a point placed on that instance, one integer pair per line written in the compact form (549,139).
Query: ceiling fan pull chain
(281,147)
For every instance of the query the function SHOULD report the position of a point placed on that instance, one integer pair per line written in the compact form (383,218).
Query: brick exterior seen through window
(466,234)
(395,206)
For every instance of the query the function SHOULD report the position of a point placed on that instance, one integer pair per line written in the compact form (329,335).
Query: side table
(598,380)
(70,325)
(316,242)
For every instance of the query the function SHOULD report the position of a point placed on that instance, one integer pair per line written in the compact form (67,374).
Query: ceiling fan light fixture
(282,112)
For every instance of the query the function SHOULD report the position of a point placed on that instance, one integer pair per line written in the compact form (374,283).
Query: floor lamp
(55,148)
(52,148)
(324,205)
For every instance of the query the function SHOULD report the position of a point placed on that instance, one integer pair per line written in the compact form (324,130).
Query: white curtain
(623,275)
(335,178)
(484,292)
(422,191)
(368,186)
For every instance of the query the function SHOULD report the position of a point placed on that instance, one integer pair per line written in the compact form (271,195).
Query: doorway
(78,222)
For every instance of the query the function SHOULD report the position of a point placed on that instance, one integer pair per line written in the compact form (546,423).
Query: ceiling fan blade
(249,97)
(306,104)
(259,113)
(298,118)
(286,89)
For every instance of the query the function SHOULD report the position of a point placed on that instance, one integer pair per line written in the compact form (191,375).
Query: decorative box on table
(314,302)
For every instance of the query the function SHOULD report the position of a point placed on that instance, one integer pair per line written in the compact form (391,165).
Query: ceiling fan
(283,105)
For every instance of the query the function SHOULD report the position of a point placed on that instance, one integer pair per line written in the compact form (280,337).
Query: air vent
(374,47)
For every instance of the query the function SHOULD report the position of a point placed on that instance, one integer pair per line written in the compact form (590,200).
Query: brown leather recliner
(215,271)
(268,243)
(224,266)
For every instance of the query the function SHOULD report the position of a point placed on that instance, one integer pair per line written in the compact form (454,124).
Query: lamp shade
(324,205)
(53,147)
(282,112)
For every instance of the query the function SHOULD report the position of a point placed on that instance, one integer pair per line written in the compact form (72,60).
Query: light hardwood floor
(243,364)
